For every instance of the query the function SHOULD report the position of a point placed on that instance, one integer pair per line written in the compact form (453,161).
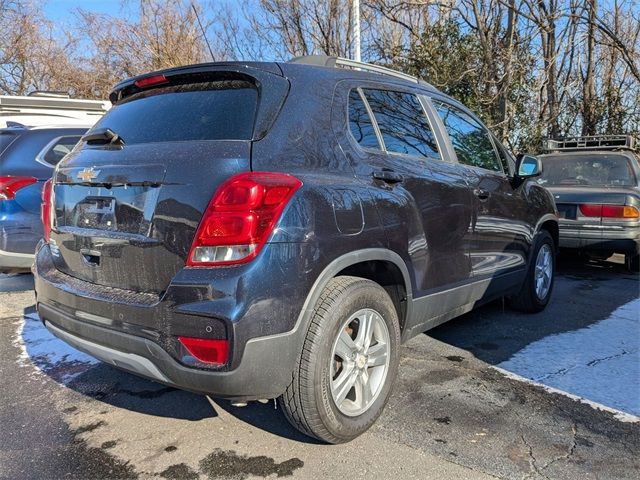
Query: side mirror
(528,166)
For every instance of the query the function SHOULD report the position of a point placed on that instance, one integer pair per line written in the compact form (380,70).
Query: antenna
(204,35)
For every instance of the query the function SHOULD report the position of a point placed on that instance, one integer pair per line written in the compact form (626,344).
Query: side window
(470,140)
(57,149)
(360,123)
(508,163)
(402,123)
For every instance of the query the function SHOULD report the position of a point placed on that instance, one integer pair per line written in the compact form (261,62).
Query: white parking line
(598,365)
(619,414)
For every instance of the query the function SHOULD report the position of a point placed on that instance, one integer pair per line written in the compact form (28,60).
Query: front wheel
(538,284)
(348,363)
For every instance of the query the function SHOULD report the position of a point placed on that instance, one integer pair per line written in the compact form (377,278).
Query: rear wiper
(103,136)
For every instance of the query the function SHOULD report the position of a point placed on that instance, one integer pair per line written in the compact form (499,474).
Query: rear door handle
(481,194)
(388,176)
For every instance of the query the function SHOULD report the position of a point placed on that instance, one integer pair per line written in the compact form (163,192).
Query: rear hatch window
(213,110)
(607,170)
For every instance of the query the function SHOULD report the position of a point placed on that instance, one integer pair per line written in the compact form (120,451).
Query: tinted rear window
(580,169)
(217,110)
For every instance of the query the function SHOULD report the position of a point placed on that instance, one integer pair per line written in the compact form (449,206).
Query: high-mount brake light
(150,81)
(609,211)
(9,185)
(240,217)
(45,209)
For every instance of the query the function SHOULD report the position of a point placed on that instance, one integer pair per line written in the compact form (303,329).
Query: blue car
(27,158)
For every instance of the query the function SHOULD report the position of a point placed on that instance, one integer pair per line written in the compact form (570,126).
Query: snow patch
(599,363)
(51,356)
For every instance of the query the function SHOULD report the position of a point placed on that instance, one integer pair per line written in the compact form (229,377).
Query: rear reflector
(609,211)
(9,185)
(45,209)
(207,350)
(240,218)
(151,81)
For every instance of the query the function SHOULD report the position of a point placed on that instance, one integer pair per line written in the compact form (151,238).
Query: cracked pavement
(452,415)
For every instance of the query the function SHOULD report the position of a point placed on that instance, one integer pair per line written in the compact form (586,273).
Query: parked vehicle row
(277,230)
(36,132)
(595,182)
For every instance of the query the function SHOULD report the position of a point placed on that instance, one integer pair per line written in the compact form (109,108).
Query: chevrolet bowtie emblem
(88,174)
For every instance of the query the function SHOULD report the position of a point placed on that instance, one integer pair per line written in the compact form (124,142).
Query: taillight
(207,350)
(609,211)
(45,209)
(9,185)
(240,218)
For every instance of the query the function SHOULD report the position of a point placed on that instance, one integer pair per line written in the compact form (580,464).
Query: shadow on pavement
(16,282)
(585,292)
(267,417)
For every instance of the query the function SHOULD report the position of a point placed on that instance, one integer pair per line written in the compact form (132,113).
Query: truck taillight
(9,185)
(240,217)
(45,209)
(609,211)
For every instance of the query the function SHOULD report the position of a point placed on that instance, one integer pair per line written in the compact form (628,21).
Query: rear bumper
(15,261)
(137,331)
(259,375)
(623,238)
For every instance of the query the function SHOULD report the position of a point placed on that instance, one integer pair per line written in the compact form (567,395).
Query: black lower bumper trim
(263,373)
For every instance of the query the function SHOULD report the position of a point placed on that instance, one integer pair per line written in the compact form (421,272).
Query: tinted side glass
(402,123)
(56,152)
(360,123)
(470,140)
(216,110)
(508,163)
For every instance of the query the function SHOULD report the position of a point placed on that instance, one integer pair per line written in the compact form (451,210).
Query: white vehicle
(49,108)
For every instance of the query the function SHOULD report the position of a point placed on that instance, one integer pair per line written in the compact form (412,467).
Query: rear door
(402,160)
(126,212)
(501,234)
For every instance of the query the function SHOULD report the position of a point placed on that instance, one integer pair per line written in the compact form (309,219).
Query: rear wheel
(633,262)
(538,285)
(348,363)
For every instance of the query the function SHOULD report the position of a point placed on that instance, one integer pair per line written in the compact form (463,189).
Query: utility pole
(356,30)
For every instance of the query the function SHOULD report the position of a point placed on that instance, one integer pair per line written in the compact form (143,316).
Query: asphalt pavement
(453,415)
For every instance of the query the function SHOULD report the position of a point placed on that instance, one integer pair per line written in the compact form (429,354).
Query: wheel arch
(549,223)
(381,265)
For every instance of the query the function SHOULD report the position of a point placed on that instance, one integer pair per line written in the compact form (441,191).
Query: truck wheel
(348,363)
(538,284)
(633,262)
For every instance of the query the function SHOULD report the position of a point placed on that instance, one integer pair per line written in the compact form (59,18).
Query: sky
(60,10)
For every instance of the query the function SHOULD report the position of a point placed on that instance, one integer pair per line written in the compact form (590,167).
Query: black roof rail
(592,142)
(339,62)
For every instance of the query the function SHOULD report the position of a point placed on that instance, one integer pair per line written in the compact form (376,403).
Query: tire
(528,299)
(632,261)
(309,403)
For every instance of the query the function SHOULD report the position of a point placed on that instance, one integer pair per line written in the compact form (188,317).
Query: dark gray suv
(277,230)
